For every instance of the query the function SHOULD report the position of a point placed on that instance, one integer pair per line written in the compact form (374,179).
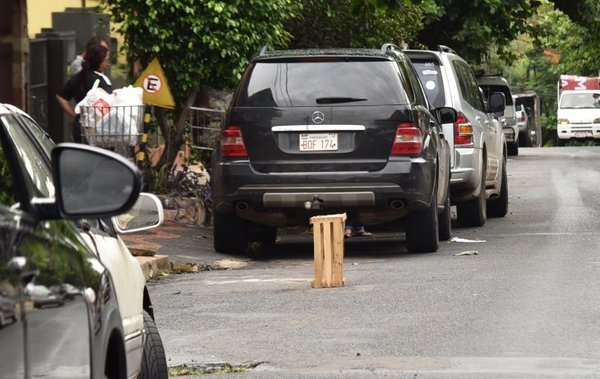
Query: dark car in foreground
(41,249)
(313,132)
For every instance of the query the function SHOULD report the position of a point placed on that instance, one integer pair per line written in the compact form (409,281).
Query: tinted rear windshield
(431,76)
(310,83)
(488,89)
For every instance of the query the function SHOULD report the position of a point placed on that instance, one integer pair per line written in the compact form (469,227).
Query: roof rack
(445,49)
(389,46)
(265,49)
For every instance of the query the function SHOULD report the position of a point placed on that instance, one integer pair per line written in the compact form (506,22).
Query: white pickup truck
(578,110)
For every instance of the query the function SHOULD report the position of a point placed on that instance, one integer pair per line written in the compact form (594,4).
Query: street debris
(458,239)
(212,368)
(468,252)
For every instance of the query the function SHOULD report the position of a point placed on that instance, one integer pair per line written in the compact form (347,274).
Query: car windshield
(580,100)
(332,83)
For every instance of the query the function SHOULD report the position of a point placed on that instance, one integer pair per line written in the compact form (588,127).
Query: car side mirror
(445,115)
(496,103)
(92,182)
(146,213)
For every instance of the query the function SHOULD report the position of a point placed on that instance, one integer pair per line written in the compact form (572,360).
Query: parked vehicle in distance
(42,247)
(479,184)
(523,124)
(41,296)
(578,110)
(8,310)
(145,354)
(530,133)
(507,118)
(312,132)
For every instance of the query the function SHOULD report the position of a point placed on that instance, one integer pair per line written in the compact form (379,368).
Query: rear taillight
(408,140)
(463,130)
(232,142)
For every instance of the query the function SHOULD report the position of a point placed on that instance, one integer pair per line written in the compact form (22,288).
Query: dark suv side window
(468,85)
(313,81)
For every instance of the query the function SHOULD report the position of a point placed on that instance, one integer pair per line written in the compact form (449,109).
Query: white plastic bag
(108,119)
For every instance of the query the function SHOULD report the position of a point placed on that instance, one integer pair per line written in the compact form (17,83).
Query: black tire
(422,233)
(499,206)
(445,221)
(513,149)
(266,236)
(473,212)
(524,140)
(154,361)
(560,142)
(229,234)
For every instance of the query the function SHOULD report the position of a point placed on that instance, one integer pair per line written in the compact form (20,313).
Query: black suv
(329,131)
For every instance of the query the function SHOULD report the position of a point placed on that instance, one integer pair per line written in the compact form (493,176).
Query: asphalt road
(526,306)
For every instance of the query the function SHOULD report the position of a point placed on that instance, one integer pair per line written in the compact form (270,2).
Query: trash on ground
(458,239)
(468,252)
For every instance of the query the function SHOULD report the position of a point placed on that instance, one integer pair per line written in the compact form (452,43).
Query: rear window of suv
(431,76)
(489,89)
(312,82)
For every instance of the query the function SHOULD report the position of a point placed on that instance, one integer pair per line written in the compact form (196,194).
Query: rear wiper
(333,100)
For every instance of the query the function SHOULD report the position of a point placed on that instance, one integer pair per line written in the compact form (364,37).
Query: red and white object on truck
(578,110)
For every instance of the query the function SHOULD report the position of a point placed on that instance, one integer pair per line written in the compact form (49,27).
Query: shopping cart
(115,128)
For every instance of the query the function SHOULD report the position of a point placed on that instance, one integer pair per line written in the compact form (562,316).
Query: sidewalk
(172,243)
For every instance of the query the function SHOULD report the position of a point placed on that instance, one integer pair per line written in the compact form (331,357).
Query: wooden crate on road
(328,234)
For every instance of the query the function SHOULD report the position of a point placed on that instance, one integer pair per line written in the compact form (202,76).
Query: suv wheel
(513,148)
(154,362)
(499,206)
(524,141)
(266,236)
(445,221)
(422,233)
(474,212)
(229,233)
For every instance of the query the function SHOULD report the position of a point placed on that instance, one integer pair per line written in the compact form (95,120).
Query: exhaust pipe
(242,206)
(397,204)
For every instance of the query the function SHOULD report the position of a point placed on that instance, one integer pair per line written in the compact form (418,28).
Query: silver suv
(479,186)
(508,119)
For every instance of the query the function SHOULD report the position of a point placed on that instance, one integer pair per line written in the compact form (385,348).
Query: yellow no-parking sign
(154,83)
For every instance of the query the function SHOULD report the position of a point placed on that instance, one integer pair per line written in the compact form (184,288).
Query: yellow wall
(39,12)
(39,15)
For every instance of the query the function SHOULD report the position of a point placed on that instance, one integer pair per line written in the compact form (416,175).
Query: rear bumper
(511,134)
(287,199)
(466,174)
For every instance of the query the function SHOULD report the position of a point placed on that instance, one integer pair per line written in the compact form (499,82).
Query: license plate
(318,142)
(582,134)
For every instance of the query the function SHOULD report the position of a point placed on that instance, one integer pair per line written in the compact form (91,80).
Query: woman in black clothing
(97,59)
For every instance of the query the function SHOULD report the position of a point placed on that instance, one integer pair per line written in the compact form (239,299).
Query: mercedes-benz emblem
(318,117)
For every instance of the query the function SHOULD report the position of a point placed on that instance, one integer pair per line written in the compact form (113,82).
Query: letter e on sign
(151,83)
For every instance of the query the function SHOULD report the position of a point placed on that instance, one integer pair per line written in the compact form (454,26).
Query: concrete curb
(153,266)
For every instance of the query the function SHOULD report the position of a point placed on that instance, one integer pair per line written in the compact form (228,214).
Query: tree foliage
(353,23)
(473,27)
(585,15)
(198,42)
